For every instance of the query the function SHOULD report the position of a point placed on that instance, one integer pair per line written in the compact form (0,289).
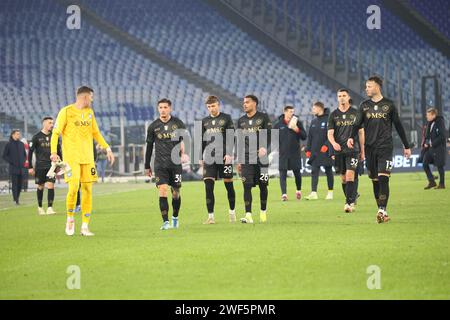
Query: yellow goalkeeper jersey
(78,129)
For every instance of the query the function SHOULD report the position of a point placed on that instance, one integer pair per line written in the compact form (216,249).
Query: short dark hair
(212,99)
(319,104)
(84,89)
(343,90)
(376,79)
(47,118)
(253,97)
(14,131)
(350,101)
(286,108)
(433,111)
(165,100)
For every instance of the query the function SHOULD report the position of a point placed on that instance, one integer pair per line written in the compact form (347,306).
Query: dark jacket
(318,137)
(289,145)
(95,152)
(435,138)
(15,154)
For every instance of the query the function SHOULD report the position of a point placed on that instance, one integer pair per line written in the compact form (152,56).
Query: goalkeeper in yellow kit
(78,127)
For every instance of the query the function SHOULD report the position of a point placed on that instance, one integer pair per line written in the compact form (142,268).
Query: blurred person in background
(101,161)
(434,148)
(15,155)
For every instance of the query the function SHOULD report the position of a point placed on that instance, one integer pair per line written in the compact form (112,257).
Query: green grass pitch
(307,250)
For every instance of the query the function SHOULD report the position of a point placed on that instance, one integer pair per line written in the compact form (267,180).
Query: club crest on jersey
(375,107)
(343,117)
(322,124)
(166,127)
(213,122)
(90,116)
(46,138)
(250,122)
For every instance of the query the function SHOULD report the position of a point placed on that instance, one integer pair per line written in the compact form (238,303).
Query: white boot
(312,196)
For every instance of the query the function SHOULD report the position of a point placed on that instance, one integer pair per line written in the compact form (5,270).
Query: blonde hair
(433,111)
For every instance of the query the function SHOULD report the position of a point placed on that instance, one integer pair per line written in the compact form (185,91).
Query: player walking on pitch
(318,150)
(253,174)
(40,147)
(376,115)
(217,123)
(291,131)
(77,125)
(163,134)
(340,123)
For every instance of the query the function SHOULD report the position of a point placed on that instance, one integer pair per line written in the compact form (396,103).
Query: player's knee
(72,192)
(85,186)
(40,186)
(50,186)
(74,186)
(163,190)
(343,178)
(350,175)
(209,185)
(248,186)
(163,193)
(263,187)
(175,193)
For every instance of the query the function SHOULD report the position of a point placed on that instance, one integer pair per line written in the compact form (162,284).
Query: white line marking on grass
(97,194)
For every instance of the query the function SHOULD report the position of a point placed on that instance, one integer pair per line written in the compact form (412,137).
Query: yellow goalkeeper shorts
(82,172)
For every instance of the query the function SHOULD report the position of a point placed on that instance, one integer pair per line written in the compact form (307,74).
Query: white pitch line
(97,194)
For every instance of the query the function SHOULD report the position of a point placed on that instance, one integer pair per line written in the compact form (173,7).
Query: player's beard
(248,110)
(89,103)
